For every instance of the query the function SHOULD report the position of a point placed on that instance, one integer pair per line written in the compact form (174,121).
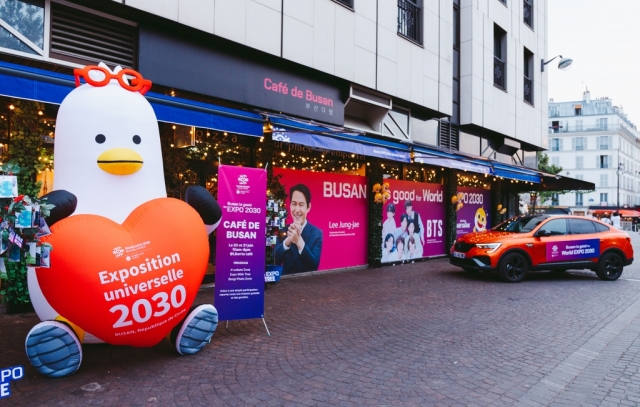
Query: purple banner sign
(240,249)
(474,214)
(573,250)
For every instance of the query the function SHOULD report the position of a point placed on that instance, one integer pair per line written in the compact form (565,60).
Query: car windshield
(520,224)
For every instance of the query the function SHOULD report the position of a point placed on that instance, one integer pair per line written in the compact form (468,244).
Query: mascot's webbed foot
(53,349)
(196,330)
(205,204)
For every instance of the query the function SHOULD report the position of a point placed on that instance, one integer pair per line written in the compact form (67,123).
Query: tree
(27,19)
(543,165)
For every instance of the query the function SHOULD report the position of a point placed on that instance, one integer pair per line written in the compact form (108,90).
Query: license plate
(458,255)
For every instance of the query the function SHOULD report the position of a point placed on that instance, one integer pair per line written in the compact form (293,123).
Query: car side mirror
(543,233)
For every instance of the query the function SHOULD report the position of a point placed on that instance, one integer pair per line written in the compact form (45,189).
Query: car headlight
(491,247)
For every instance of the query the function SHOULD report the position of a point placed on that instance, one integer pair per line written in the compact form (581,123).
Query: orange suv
(545,242)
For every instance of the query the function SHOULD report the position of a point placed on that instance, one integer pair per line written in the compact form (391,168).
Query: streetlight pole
(620,167)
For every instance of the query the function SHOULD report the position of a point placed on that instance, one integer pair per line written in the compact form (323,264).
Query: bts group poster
(240,249)
(326,224)
(474,214)
(413,221)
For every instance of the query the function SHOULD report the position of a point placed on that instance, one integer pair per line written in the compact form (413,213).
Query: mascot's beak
(120,161)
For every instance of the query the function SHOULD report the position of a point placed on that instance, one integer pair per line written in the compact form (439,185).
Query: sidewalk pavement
(421,334)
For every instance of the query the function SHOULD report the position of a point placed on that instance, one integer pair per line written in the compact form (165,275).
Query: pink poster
(327,221)
(413,221)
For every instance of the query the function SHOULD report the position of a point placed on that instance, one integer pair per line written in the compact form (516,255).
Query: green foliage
(24,160)
(543,165)
(276,193)
(451,189)
(25,144)
(375,173)
(16,291)
(177,176)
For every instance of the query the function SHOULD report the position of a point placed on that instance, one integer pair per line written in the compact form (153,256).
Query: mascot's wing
(65,204)
(206,206)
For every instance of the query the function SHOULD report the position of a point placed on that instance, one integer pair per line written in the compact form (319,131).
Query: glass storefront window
(22,25)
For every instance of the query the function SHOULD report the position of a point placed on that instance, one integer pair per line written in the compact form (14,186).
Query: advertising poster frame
(338,215)
(424,208)
(475,214)
(240,248)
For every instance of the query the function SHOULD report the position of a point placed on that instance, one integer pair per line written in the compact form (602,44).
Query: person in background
(615,220)
(417,245)
(414,217)
(411,249)
(606,220)
(389,225)
(400,254)
(301,249)
(589,214)
(388,248)
(402,231)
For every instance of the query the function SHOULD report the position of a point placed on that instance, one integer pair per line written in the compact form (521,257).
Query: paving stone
(419,334)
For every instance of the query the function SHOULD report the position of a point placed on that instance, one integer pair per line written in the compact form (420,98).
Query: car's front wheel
(610,267)
(513,268)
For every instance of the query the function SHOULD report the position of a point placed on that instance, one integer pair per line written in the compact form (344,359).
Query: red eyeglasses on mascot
(126,261)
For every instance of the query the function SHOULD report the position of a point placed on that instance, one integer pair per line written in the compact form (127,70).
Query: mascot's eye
(100,138)
(137,139)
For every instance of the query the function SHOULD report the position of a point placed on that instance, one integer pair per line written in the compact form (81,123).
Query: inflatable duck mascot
(126,261)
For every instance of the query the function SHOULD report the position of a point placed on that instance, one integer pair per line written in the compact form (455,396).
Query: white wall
(360,45)
(482,103)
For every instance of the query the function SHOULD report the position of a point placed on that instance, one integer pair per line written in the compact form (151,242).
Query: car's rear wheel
(513,268)
(610,267)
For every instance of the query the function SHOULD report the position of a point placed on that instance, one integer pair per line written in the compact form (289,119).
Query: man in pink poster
(301,249)
(414,217)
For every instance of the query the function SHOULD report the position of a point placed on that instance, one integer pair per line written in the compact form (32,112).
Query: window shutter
(84,37)
(449,136)
(560,147)
(573,143)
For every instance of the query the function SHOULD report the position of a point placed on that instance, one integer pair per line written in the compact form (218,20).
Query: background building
(439,92)
(595,141)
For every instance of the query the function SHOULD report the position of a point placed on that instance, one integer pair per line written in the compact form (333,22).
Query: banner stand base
(263,321)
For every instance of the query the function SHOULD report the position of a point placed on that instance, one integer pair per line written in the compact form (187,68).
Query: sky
(603,39)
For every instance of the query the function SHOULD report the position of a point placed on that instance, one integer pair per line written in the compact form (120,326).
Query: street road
(423,334)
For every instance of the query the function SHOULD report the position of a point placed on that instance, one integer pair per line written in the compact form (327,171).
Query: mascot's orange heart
(127,284)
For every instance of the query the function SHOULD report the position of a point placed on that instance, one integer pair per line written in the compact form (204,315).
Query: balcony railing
(573,129)
(409,22)
(528,12)
(498,73)
(528,90)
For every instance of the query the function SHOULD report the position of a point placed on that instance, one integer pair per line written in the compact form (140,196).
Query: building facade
(595,141)
(438,92)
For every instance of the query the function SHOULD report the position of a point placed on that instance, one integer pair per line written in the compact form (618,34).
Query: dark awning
(425,155)
(555,182)
(314,135)
(516,173)
(50,87)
